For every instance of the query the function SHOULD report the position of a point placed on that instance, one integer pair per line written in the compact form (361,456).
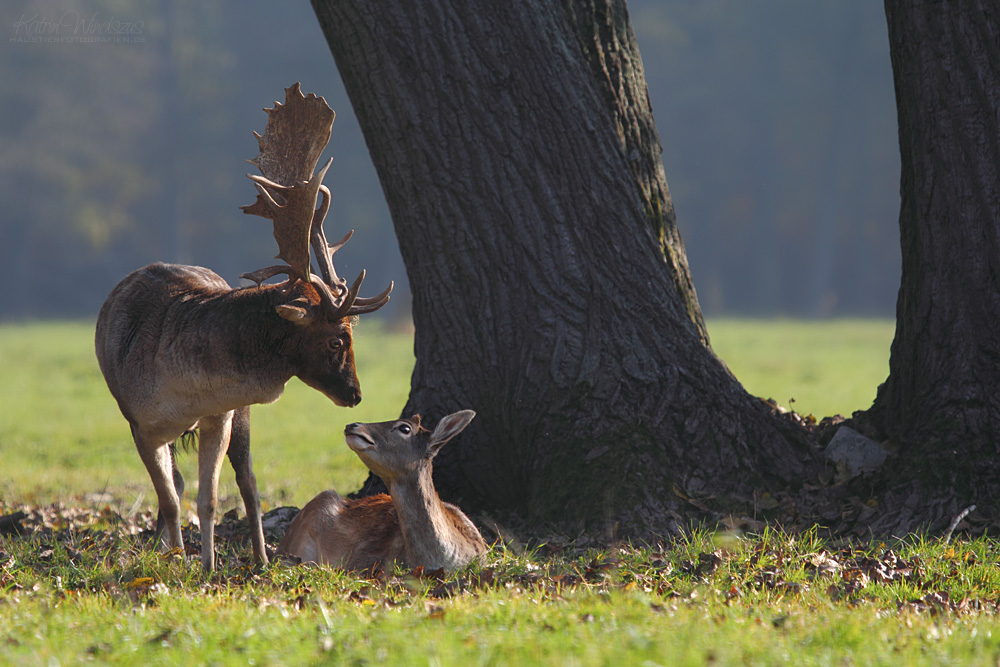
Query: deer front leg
(242,462)
(212,445)
(159,463)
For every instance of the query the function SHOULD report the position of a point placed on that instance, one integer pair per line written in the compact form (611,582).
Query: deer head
(402,448)
(288,190)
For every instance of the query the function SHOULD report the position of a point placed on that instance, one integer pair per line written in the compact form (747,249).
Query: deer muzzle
(357,438)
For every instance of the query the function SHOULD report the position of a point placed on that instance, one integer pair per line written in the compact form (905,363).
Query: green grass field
(62,432)
(94,592)
(815,367)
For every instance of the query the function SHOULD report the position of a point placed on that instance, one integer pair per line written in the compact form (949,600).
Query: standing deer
(180,349)
(410,525)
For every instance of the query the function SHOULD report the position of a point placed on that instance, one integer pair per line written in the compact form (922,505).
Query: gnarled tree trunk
(517,151)
(939,409)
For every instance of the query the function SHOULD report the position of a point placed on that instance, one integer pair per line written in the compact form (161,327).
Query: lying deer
(180,349)
(411,525)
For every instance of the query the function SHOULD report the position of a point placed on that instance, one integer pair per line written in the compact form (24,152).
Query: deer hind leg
(178,487)
(212,445)
(160,464)
(242,462)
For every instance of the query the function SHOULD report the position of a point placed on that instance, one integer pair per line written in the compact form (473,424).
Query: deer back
(353,534)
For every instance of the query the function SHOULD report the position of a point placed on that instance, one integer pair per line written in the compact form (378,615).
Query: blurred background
(125,126)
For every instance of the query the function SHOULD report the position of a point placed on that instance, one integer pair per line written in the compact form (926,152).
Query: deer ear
(301,315)
(448,428)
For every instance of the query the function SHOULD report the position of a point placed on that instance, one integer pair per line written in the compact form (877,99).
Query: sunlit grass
(760,600)
(821,367)
(61,434)
(708,598)
(705,599)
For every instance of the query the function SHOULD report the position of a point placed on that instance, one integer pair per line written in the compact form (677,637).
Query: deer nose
(352,393)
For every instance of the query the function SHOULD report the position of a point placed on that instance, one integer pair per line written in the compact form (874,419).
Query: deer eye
(336,344)
(404,428)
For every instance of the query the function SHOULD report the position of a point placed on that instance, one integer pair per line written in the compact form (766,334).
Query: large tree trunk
(516,148)
(608,43)
(939,408)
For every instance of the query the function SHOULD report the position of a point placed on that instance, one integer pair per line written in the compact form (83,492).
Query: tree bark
(517,152)
(939,409)
(608,43)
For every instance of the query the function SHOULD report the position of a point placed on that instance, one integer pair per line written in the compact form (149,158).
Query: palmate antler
(297,133)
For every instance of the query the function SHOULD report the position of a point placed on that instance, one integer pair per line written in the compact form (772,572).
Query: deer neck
(239,332)
(428,531)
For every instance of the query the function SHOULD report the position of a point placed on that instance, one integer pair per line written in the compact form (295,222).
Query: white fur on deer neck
(434,537)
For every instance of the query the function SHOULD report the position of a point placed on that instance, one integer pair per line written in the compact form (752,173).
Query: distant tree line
(777,117)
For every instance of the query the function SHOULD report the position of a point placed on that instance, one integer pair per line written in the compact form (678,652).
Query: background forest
(125,126)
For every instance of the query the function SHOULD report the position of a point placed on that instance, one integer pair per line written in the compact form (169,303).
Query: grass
(86,586)
(61,430)
(765,599)
(813,367)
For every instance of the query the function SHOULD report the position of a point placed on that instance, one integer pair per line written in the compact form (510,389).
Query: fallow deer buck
(410,525)
(181,350)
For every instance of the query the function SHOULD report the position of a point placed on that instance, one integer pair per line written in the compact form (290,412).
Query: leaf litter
(761,568)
